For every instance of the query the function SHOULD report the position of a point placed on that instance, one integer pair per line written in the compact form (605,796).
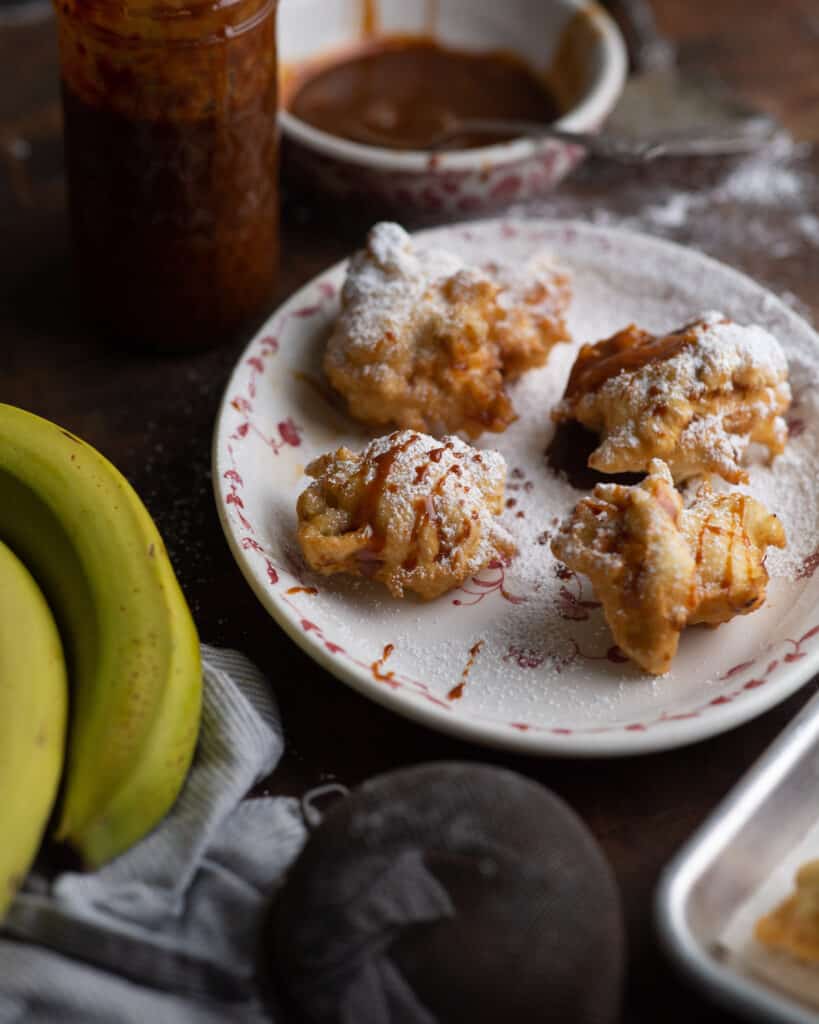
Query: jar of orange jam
(172,154)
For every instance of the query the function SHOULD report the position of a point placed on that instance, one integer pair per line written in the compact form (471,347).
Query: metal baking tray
(762,819)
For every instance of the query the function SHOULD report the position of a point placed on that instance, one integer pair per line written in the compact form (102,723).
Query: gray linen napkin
(168,931)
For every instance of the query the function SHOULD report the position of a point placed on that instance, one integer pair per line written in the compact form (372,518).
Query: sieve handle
(648,48)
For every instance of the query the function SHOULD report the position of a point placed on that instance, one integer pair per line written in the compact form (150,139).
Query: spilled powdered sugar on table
(727,208)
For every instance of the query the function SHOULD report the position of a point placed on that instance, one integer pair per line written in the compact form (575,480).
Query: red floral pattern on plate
(491,580)
(571,603)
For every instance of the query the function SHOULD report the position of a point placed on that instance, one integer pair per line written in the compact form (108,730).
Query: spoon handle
(621,148)
(643,150)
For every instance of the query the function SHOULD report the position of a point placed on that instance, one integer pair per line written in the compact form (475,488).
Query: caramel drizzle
(457,691)
(302,590)
(629,349)
(425,507)
(366,512)
(735,531)
(437,453)
(369,18)
(377,667)
(739,531)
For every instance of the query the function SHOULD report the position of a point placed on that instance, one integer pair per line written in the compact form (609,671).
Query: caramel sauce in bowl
(567,60)
(400,91)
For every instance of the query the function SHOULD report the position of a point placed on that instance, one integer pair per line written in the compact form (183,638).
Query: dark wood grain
(154,417)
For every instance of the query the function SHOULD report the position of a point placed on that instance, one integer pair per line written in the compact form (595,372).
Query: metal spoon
(610,147)
(614,147)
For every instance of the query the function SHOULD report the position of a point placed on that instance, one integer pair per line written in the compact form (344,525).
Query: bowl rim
(587,115)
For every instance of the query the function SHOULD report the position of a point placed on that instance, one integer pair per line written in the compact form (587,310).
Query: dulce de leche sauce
(401,91)
(629,349)
(170,132)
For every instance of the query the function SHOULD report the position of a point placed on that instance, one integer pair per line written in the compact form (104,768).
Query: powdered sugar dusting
(537,283)
(708,434)
(385,283)
(727,347)
(659,296)
(444,475)
(388,282)
(548,661)
(716,363)
(757,182)
(411,511)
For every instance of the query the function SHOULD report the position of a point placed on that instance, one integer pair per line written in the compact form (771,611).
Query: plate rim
(613,741)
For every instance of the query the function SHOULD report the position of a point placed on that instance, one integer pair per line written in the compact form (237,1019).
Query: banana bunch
(130,645)
(33,709)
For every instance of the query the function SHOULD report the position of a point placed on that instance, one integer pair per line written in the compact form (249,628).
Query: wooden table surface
(154,417)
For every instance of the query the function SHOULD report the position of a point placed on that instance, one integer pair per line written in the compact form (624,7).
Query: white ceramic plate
(527,642)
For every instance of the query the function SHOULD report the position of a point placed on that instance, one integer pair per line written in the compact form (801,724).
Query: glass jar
(172,162)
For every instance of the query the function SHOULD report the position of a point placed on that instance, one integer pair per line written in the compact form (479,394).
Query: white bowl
(576,33)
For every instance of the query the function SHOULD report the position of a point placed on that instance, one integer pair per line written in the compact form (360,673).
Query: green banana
(33,710)
(131,644)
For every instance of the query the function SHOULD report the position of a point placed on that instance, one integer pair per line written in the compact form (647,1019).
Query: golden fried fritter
(628,541)
(657,567)
(425,343)
(793,927)
(694,398)
(728,535)
(415,513)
